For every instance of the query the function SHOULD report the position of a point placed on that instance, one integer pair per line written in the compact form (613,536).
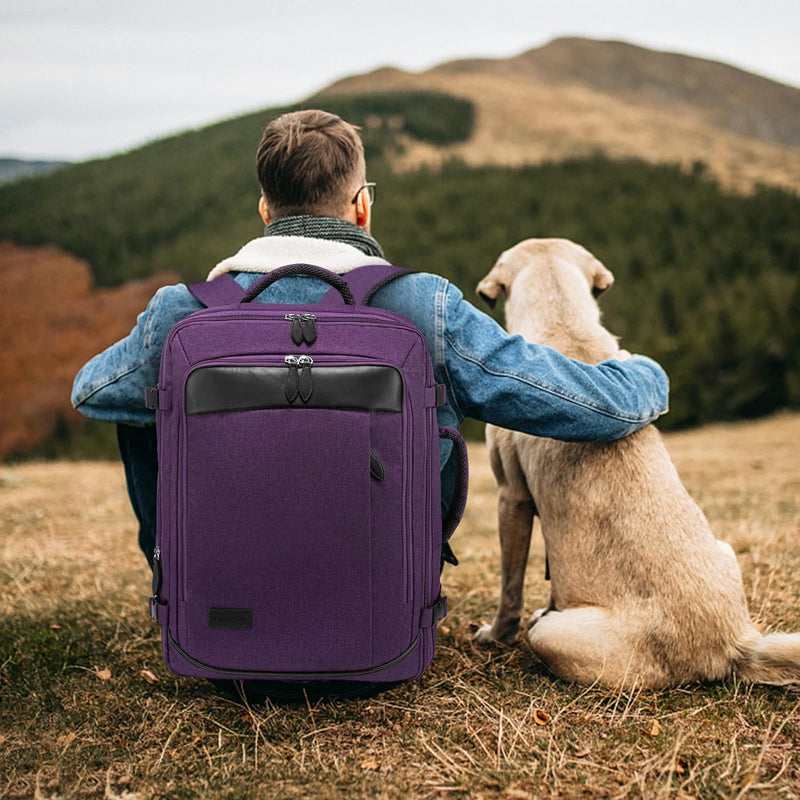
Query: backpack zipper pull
(309,325)
(304,327)
(293,379)
(298,333)
(305,385)
(156,572)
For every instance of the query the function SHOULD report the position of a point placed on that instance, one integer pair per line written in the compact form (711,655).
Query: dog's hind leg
(591,645)
(515,518)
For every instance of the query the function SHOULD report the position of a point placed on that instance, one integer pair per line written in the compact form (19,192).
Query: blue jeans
(137,446)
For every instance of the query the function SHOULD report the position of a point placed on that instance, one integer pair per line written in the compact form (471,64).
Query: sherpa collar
(270,252)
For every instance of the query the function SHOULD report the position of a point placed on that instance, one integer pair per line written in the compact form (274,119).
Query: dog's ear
(500,277)
(489,289)
(495,283)
(602,279)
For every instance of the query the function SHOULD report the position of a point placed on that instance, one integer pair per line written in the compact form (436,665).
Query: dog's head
(538,254)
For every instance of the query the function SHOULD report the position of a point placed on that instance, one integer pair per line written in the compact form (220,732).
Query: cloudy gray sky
(86,78)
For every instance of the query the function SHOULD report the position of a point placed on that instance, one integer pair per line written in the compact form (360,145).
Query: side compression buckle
(433,614)
(155,399)
(151,397)
(158,611)
(435,395)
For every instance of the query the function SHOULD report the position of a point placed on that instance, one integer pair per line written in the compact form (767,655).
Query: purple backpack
(299,527)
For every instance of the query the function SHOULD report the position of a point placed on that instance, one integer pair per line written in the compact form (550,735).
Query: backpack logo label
(234,619)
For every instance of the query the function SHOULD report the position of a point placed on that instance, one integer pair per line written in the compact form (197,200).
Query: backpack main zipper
(298,382)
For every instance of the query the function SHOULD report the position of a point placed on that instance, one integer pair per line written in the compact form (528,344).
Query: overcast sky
(85,78)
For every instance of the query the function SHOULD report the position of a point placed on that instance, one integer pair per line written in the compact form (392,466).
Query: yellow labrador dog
(642,594)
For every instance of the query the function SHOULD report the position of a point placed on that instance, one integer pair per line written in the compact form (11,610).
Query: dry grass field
(88,710)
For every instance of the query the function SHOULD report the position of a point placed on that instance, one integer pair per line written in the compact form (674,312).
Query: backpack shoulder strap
(222,291)
(364,282)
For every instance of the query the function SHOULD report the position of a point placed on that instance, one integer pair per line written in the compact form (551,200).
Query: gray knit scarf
(331,228)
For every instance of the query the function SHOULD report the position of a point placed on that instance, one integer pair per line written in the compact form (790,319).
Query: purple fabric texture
(222,291)
(281,556)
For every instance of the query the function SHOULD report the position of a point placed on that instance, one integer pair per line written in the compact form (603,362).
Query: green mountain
(188,201)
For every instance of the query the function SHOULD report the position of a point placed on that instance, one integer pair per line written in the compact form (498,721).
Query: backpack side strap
(222,291)
(364,282)
(459,500)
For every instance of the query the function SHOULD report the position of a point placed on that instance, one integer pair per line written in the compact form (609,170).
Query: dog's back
(642,592)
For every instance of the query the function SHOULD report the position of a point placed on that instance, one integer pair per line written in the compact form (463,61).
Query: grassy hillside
(728,97)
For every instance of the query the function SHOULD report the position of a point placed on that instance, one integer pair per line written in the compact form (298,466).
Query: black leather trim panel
(365,387)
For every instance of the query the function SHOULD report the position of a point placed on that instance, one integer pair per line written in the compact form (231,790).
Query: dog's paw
(486,635)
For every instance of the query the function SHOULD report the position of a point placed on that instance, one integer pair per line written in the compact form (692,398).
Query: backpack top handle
(307,270)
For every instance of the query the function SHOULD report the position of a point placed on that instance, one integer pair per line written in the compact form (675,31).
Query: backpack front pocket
(276,545)
(279,551)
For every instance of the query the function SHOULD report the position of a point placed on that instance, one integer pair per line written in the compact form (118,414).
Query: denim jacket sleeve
(111,385)
(507,381)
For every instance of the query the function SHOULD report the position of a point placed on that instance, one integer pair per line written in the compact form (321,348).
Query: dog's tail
(774,658)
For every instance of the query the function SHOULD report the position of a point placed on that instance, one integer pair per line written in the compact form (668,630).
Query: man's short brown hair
(308,162)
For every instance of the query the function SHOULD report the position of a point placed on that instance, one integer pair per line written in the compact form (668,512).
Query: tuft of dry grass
(87,708)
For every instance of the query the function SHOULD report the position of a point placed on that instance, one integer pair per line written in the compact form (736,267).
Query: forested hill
(707,279)
(190,200)
(707,282)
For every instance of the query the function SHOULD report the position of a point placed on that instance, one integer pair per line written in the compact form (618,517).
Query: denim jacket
(489,374)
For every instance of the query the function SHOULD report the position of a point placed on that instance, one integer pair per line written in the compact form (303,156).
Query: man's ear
(489,289)
(363,209)
(263,210)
